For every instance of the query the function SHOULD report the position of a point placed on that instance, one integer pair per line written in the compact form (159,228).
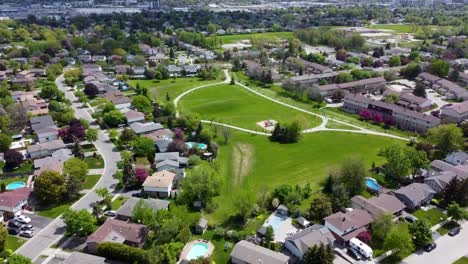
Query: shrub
(122,253)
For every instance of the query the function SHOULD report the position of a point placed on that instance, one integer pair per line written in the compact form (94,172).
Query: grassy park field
(267,164)
(231,104)
(407,28)
(229,39)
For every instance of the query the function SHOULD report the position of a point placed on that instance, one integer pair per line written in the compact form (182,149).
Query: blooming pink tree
(366,114)
(141,174)
(179,134)
(377,118)
(388,121)
(365,237)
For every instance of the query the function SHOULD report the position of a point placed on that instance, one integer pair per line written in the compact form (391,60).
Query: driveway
(436,98)
(39,223)
(55,230)
(448,250)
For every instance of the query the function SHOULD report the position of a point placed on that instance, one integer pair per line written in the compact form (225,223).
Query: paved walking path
(321,127)
(49,235)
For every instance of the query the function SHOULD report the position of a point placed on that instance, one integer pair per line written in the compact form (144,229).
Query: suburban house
(309,67)
(412,102)
(372,85)
(118,99)
(133,116)
(245,252)
(12,202)
(48,164)
(455,113)
(44,127)
(45,149)
(160,134)
(457,158)
(145,128)
(75,258)
(404,119)
(300,242)
(118,232)
(441,172)
(163,144)
(308,79)
(345,226)
(122,69)
(125,212)
(415,195)
(170,161)
(159,184)
(378,205)
(450,90)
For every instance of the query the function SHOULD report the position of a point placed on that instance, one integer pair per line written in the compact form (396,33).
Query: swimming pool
(15,185)
(275,221)
(198,249)
(190,145)
(373,185)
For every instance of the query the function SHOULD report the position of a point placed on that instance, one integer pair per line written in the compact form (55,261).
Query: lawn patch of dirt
(243,159)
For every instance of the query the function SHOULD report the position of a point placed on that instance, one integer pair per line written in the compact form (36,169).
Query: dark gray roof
(81,258)
(167,155)
(127,208)
(41,122)
(311,236)
(415,192)
(254,254)
(163,144)
(169,162)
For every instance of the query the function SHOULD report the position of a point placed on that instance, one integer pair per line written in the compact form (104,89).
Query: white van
(361,247)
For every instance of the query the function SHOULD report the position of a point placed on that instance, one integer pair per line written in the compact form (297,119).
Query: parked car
(454,231)
(23,219)
(140,195)
(14,224)
(429,247)
(354,254)
(110,213)
(410,219)
(27,233)
(27,227)
(13,231)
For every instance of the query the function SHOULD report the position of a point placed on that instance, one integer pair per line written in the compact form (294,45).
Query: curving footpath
(56,229)
(321,127)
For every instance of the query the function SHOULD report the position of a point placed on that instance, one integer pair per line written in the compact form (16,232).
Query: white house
(12,202)
(159,184)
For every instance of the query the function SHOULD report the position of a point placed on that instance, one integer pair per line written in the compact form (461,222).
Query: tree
(269,236)
(79,222)
(3,237)
(113,118)
(113,133)
(398,164)
(91,90)
(143,147)
(417,159)
(127,136)
(142,104)
(352,175)
(143,213)
(456,212)
(322,254)
(440,68)
(13,158)
(75,167)
(141,174)
(421,232)
(382,226)
(91,134)
(456,191)
(411,70)
(5,142)
(243,204)
(129,177)
(420,90)
(166,253)
(399,242)
(320,207)
(394,61)
(446,137)
(122,252)
(454,75)
(49,187)
(226,132)
(102,192)
(201,184)
(18,259)
(339,197)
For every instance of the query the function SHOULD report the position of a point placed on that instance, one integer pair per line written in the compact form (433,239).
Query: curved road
(321,127)
(55,230)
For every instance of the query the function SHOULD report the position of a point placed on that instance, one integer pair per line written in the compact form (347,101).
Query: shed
(201,226)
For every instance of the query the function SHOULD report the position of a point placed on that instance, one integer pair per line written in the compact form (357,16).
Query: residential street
(55,230)
(448,250)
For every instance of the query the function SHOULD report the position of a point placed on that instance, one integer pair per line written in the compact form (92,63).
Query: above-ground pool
(191,145)
(15,185)
(198,249)
(373,185)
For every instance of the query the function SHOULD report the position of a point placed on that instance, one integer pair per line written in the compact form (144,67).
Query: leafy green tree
(166,253)
(3,237)
(243,204)
(394,61)
(142,104)
(75,167)
(398,164)
(381,227)
(269,236)
(129,177)
(456,212)
(91,134)
(79,222)
(122,252)
(320,207)
(113,118)
(113,133)
(319,254)
(144,214)
(143,147)
(352,175)
(446,137)
(456,192)
(18,259)
(440,68)
(127,136)
(399,242)
(5,142)
(417,159)
(421,232)
(201,184)
(339,197)
(49,187)
(102,192)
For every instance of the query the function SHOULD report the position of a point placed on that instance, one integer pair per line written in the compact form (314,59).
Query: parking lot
(38,222)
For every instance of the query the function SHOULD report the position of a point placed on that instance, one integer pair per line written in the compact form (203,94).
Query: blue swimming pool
(15,185)
(275,221)
(198,250)
(373,185)
(191,145)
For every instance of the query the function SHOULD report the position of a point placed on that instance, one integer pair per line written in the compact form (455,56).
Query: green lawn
(444,229)
(433,216)
(408,28)
(336,125)
(88,148)
(219,254)
(237,106)
(95,163)
(25,167)
(54,212)
(90,181)
(377,247)
(229,39)
(462,260)
(118,202)
(159,89)
(267,164)
(13,243)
